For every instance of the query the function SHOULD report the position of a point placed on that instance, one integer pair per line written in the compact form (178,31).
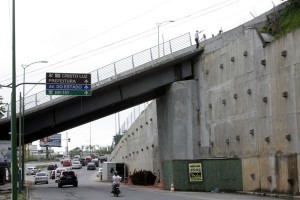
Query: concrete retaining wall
(249,103)
(138,148)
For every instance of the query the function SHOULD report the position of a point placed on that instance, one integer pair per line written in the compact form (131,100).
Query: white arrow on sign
(50,75)
(86,92)
(86,87)
(86,81)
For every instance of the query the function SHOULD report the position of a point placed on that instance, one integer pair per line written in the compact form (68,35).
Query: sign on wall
(51,141)
(195,172)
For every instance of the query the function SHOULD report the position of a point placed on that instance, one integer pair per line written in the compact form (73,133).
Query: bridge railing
(119,68)
(135,113)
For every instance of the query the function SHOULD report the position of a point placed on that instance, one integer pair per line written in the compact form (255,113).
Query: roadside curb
(274,195)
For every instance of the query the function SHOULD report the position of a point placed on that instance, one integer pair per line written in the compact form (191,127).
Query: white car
(76,165)
(41,177)
(31,170)
(99,172)
(58,172)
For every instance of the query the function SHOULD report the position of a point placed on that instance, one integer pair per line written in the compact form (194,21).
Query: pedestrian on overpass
(197,38)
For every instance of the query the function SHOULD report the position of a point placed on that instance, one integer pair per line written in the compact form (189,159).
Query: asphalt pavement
(92,184)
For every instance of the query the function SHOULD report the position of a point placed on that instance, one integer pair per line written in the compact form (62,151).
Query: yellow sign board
(195,172)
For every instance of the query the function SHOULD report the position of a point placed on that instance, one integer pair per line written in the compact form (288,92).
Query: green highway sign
(69,92)
(68,78)
(68,84)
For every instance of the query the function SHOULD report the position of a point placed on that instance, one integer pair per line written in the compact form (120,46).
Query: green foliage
(288,21)
(41,166)
(32,158)
(85,150)
(116,139)
(104,150)
(20,196)
(76,151)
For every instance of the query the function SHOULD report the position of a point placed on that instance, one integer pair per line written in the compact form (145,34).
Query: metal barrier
(116,69)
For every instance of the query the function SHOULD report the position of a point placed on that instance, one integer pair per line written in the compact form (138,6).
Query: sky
(79,36)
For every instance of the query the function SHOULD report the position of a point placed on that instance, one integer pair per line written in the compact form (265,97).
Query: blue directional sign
(68,84)
(68,87)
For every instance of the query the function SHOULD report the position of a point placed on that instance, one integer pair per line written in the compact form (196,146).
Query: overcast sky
(80,36)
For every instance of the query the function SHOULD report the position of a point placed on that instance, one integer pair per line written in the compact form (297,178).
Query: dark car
(68,178)
(96,161)
(91,166)
(82,161)
(51,167)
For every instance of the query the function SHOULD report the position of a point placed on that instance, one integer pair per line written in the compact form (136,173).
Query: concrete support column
(178,124)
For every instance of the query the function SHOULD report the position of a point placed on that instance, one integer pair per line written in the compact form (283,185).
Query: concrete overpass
(118,86)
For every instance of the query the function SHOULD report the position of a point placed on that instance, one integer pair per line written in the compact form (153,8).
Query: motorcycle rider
(116,179)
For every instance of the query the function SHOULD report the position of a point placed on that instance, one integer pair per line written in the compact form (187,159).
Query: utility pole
(14,195)
(20,145)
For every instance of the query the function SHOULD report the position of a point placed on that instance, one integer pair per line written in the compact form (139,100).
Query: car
(96,161)
(88,159)
(41,177)
(51,167)
(99,172)
(31,170)
(67,162)
(52,174)
(82,161)
(68,178)
(91,166)
(76,157)
(58,172)
(76,165)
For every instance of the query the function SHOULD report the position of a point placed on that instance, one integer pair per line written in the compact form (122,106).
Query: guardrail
(115,70)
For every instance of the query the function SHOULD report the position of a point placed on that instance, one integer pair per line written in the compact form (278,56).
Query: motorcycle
(116,191)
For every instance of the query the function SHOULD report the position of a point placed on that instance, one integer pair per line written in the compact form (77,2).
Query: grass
(290,21)
(286,23)
(41,166)
(21,196)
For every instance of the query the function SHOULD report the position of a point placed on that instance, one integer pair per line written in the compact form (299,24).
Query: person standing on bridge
(197,38)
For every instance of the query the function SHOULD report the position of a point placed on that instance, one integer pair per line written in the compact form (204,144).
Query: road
(90,188)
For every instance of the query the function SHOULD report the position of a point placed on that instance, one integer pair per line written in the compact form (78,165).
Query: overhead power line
(219,5)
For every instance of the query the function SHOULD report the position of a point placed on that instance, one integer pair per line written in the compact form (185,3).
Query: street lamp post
(13,111)
(158,25)
(67,148)
(23,116)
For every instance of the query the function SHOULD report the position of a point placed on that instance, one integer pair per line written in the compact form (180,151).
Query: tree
(82,149)
(87,149)
(76,151)
(116,139)
(104,150)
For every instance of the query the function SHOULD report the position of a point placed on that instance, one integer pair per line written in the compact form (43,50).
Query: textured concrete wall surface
(138,147)
(249,104)
(178,125)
